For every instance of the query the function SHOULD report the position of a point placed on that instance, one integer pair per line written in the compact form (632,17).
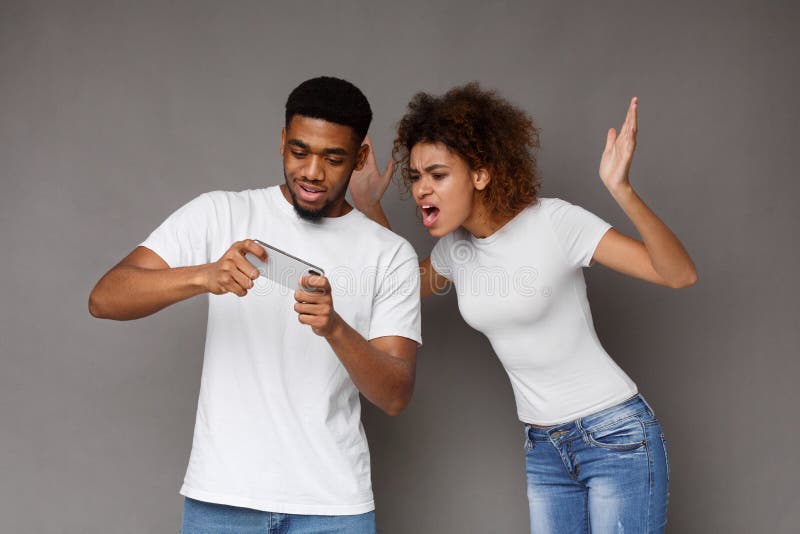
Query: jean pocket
(625,435)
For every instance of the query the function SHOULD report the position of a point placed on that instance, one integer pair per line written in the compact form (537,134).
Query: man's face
(318,158)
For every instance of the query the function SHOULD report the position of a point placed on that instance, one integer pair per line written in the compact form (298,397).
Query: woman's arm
(660,258)
(431,282)
(367,187)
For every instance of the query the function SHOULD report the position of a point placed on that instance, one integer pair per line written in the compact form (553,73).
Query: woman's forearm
(668,256)
(377,214)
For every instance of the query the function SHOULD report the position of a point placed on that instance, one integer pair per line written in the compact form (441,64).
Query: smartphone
(283,268)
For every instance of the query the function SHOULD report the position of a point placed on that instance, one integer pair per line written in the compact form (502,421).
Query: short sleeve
(441,256)
(577,230)
(396,308)
(183,238)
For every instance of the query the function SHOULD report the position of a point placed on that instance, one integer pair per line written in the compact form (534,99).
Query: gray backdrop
(112,114)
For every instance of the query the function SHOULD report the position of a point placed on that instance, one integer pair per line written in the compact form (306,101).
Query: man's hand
(314,305)
(382,369)
(232,273)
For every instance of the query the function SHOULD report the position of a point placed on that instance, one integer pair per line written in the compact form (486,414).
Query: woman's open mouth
(429,214)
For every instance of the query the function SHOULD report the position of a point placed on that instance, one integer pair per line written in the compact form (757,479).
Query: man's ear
(283,140)
(481,178)
(361,156)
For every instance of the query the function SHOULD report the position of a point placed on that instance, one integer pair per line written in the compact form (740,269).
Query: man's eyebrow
(327,151)
(298,143)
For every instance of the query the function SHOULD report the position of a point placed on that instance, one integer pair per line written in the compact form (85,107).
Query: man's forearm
(129,292)
(385,380)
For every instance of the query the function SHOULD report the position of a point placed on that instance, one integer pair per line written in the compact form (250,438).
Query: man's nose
(314,169)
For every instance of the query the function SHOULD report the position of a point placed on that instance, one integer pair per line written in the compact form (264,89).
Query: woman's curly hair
(484,129)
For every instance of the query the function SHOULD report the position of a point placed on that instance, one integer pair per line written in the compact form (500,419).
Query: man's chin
(309,213)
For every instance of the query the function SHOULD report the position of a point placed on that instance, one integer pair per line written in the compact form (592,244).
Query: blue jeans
(603,473)
(210,518)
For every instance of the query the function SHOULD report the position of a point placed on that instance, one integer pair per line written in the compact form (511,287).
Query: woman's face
(443,186)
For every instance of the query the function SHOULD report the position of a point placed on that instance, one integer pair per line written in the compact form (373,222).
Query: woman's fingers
(389,169)
(629,127)
(610,139)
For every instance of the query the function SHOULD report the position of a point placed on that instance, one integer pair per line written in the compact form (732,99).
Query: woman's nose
(421,188)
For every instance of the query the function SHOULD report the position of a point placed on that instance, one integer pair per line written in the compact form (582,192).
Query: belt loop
(581,431)
(652,412)
(528,441)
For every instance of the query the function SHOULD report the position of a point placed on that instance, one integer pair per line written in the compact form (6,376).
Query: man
(278,441)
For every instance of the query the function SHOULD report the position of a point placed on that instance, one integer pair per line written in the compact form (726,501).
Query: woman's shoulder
(550,204)
(558,209)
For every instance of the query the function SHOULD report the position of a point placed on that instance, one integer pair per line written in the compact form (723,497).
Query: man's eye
(439,176)
(334,161)
(413,177)
(298,154)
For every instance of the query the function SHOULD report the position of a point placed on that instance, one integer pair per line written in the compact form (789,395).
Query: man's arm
(382,369)
(143,283)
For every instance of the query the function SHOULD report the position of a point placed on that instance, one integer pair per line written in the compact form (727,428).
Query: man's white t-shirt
(278,424)
(523,288)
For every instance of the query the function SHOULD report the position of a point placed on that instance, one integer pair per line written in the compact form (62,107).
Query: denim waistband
(633,406)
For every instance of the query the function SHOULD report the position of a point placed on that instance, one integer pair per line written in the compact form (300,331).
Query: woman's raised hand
(368,185)
(618,154)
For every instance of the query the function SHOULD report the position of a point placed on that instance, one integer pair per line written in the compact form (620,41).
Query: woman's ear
(481,178)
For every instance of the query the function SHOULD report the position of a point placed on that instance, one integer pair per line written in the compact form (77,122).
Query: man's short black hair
(331,99)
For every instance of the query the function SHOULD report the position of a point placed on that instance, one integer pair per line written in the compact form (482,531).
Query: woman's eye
(439,176)
(413,177)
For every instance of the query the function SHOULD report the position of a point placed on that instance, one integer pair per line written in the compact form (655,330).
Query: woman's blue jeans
(604,473)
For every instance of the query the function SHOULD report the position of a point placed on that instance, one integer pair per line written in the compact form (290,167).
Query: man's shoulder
(238,200)
(381,237)
(243,195)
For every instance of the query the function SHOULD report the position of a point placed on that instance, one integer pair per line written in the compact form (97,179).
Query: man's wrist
(198,279)
(337,327)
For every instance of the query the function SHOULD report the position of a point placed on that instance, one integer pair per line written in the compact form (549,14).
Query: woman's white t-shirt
(523,288)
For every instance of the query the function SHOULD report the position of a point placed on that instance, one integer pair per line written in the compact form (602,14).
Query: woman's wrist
(374,211)
(622,192)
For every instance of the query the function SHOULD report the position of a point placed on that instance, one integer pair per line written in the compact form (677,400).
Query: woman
(595,453)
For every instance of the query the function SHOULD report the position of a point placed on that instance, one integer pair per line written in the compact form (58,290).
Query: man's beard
(309,215)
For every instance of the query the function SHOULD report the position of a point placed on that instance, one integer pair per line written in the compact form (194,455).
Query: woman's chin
(438,231)
(438,227)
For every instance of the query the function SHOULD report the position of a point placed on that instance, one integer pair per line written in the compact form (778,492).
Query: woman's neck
(482,222)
